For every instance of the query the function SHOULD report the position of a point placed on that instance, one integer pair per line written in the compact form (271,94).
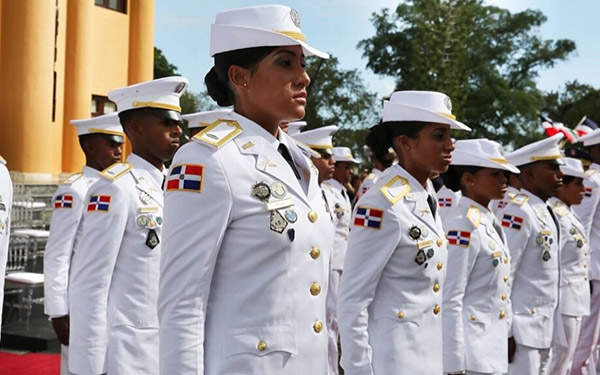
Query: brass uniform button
(532,311)
(503,296)
(505,260)
(570,283)
(315,252)
(584,265)
(506,278)
(400,314)
(315,289)
(439,242)
(585,253)
(473,317)
(439,266)
(585,277)
(318,326)
(261,346)
(312,216)
(436,287)
(502,314)
(437,309)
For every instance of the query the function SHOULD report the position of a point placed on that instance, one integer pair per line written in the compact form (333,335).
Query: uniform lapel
(308,170)
(416,202)
(147,190)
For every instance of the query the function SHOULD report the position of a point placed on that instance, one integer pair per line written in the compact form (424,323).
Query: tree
(340,97)
(572,103)
(484,57)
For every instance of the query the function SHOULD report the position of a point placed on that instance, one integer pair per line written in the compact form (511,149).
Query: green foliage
(484,57)
(574,101)
(162,66)
(340,97)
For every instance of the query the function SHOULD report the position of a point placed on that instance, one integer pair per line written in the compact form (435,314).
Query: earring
(245,84)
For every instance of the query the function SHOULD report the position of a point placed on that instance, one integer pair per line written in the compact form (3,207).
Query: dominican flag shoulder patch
(368,217)
(99,203)
(186,177)
(502,204)
(513,222)
(459,237)
(445,202)
(588,192)
(63,201)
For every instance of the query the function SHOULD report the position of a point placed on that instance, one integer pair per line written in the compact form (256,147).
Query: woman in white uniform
(574,300)
(247,235)
(476,293)
(391,289)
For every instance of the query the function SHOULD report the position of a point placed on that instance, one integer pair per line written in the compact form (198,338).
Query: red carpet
(29,364)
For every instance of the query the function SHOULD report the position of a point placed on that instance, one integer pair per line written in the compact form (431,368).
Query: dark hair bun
(378,141)
(452,178)
(216,89)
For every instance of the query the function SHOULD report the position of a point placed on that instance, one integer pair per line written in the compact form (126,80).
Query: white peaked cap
(203,119)
(343,154)
(591,138)
(572,167)
(320,138)
(481,153)
(295,127)
(259,26)
(423,106)
(162,93)
(544,150)
(106,124)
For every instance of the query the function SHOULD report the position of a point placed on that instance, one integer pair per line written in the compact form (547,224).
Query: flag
(99,203)
(551,128)
(585,126)
(185,177)
(445,202)
(63,201)
(513,222)
(368,217)
(459,237)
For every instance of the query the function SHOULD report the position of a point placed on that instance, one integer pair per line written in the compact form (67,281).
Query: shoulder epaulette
(370,176)
(219,133)
(560,208)
(72,178)
(306,149)
(591,172)
(2,161)
(395,189)
(519,199)
(115,171)
(511,195)
(474,216)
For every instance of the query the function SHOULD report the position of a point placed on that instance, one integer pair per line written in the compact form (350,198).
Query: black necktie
(432,205)
(286,155)
(344,193)
(555,222)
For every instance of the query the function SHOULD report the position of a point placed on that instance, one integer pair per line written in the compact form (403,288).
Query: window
(118,5)
(101,105)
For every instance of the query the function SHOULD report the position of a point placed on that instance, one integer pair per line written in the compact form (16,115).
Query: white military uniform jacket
(476,292)
(497,206)
(246,258)
(574,260)
(446,200)
(68,206)
(342,210)
(391,289)
(114,273)
(369,181)
(6,198)
(589,214)
(533,243)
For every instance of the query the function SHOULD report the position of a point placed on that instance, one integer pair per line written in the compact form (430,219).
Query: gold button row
(439,266)
(315,252)
(436,287)
(502,314)
(437,309)
(503,297)
(318,326)
(315,289)
(312,216)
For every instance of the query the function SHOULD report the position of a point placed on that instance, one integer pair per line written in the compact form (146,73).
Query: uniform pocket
(135,316)
(402,313)
(260,341)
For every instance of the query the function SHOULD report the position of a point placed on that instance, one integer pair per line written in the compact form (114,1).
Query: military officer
(586,354)
(514,187)
(101,139)
(200,120)
(246,294)
(391,289)
(574,300)
(320,140)
(115,268)
(533,236)
(6,198)
(476,291)
(447,199)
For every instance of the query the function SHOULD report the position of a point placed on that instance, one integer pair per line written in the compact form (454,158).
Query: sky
(182,32)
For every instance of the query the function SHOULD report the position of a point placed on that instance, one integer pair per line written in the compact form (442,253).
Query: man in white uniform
(115,269)
(6,197)
(100,139)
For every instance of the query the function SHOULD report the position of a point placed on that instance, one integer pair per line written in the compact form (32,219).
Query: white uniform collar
(484,211)
(415,186)
(255,129)
(89,171)
(533,199)
(139,163)
(336,184)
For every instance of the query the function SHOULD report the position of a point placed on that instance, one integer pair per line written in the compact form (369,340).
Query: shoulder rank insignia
(474,216)
(371,176)
(560,209)
(587,192)
(219,133)
(115,171)
(519,199)
(513,222)
(185,177)
(63,201)
(395,189)
(72,178)
(368,218)
(99,203)
(2,161)
(459,238)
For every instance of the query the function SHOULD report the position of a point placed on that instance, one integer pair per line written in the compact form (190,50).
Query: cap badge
(295,17)
(448,103)
(179,88)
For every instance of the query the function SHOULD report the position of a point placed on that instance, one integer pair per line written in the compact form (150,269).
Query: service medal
(420,258)
(278,190)
(291,216)
(414,232)
(261,191)
(277,222)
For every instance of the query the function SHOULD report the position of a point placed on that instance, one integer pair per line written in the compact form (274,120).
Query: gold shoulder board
(474,216)
(395,189)
(219,133)
(115,171)
(519,199)
(72,178)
